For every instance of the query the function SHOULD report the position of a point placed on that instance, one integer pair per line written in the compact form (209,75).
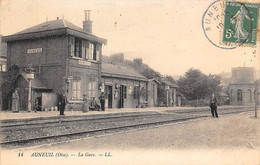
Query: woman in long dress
(15,101)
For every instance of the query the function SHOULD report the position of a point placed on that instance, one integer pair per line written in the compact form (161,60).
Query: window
(2,67)
(136,92)
(76,88)
(97,55)
(71,46)
(91,54)
(78,48)
(92,89)
(83,49)
(239,95)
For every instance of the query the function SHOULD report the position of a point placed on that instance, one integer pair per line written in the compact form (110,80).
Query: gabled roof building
(125,88)
(68,58)
(65,57)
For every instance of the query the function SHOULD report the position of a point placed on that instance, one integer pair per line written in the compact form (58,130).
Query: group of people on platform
(94,104)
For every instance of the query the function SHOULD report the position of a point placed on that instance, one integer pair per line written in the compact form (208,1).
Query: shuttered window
(92,89)
(76,88)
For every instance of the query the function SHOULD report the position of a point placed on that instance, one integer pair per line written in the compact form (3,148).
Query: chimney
(87,24)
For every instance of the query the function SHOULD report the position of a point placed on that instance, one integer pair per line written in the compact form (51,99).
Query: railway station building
(65,57)
(125,88)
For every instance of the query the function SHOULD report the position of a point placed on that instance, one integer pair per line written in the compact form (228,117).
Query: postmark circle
(213,25)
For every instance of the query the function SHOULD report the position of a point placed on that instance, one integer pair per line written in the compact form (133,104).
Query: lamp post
(30,77)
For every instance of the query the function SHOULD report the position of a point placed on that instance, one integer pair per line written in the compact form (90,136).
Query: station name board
(86,63)
(33,51)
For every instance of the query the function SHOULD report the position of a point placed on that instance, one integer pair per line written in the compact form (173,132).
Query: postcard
(130,82)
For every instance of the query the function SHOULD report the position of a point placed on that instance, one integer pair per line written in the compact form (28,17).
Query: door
(108,90)
(122,93)
(38,103)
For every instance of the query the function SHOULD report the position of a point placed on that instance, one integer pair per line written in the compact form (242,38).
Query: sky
(166,34)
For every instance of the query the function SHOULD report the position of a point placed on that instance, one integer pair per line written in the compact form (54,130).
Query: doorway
(122,96)
(38,103)
(109,95)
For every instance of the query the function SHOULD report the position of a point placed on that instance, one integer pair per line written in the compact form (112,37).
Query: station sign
(86,63)
(35,50)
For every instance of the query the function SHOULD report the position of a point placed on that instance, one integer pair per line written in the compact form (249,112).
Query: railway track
(73,120)
(94,132)
(15,142)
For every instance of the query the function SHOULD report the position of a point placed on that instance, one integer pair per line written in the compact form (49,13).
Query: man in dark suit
(62,102)
(213,106)
(102,99)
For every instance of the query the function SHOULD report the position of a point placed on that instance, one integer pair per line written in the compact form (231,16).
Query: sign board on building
(86,63)
(29,75)
(36,50)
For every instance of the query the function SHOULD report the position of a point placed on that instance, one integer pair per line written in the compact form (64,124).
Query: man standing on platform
(102,99)
(213,106)
(62,102)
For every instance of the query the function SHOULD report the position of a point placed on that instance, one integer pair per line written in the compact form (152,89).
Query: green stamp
(240,23)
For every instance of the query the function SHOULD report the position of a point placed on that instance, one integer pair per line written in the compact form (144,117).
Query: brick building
(3,53)
(167,93)
(153,92)
(67,58)
(63,57)
(125,88)
(242,86)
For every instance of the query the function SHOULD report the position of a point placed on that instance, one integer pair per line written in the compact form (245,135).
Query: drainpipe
(139,94)
(256,99)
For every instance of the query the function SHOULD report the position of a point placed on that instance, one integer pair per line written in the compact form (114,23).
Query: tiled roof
(154,79)
(55,27)
(121,72)
(170,84)
(38,82)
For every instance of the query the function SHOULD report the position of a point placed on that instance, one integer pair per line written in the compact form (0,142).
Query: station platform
(25,115)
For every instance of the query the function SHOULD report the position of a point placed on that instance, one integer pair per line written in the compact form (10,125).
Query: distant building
(167,93)
(242,86)
(153,92)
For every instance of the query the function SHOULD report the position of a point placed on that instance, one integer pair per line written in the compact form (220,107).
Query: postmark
(212,24)
(240,23)
(223,25)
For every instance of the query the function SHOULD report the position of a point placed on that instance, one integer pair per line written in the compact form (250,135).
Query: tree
(150,73)
(170,79)
(195,85)
(138,61)
(8,81)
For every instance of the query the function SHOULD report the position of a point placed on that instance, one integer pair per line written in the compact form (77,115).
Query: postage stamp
(230,24)
(240,23)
